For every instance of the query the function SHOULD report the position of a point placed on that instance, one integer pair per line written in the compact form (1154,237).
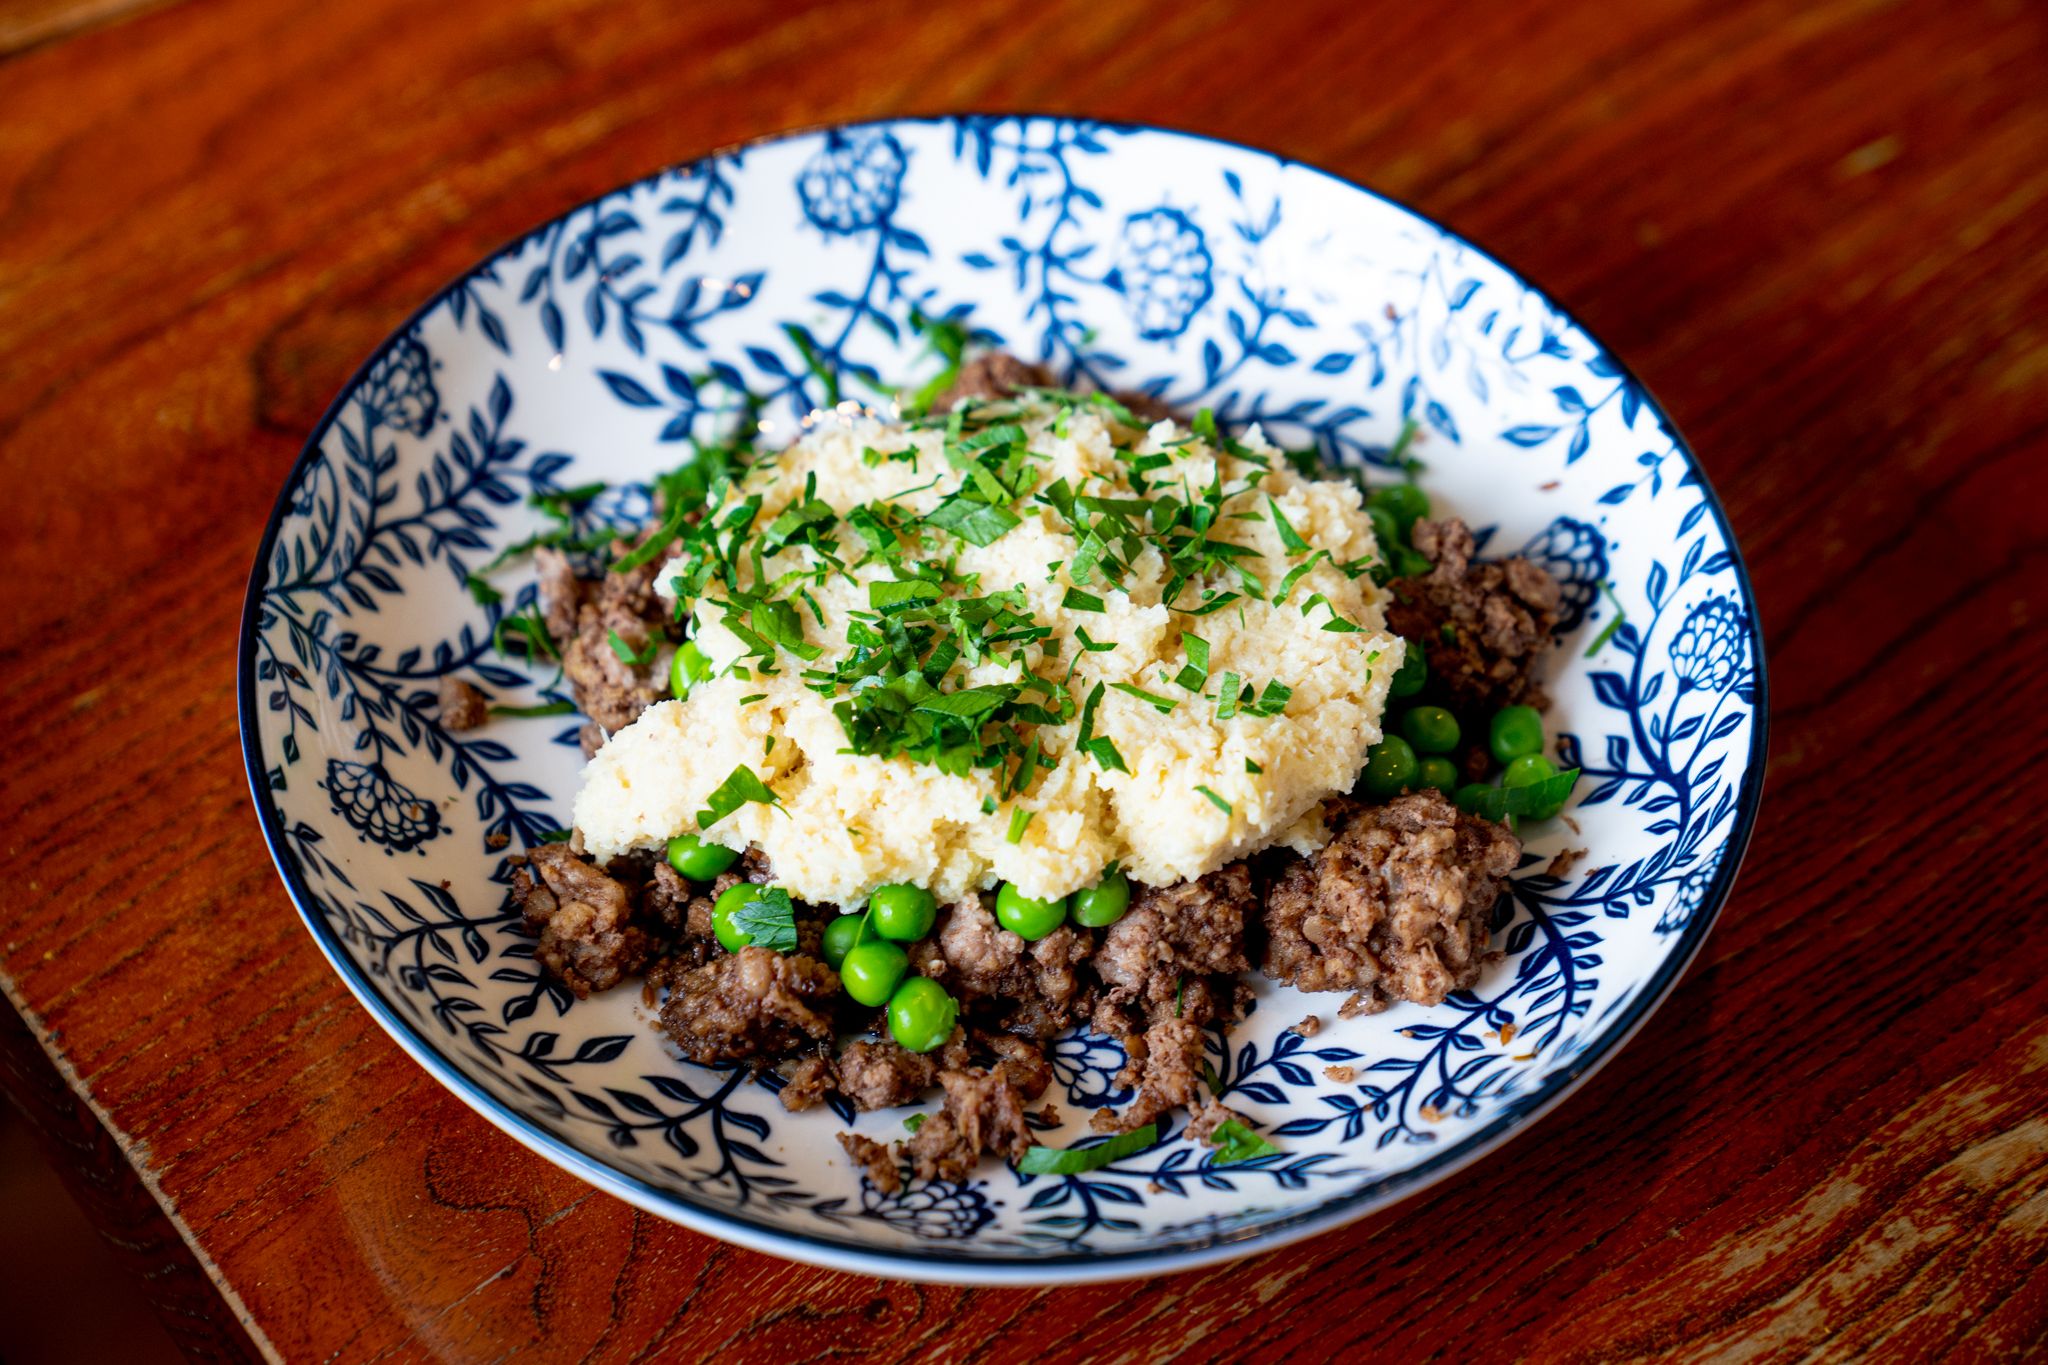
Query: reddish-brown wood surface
(1819,231)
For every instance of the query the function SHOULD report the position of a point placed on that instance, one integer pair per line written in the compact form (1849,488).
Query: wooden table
(1819,231)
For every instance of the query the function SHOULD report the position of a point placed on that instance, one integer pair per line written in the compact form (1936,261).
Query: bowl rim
(1020,1268)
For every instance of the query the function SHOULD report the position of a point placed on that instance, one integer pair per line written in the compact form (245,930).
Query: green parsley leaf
(968,702)
(915,1121)
(768,919)
(1106,755)
(1614,622)
(1218,802)
(800,337)
(1272,701)
(1289,537)
(1497,803)
(485,594)
(1077,1160)
(1020,820)
(1226,697)
(1195,672)
(908,592)
(796,518)
(1252,767)
(977,523)
(553,708)
(646,550)
(1076,600)
(1236,1144)
(627,654)
(739,787)
(778,622)
(1164,704)
(1295,575)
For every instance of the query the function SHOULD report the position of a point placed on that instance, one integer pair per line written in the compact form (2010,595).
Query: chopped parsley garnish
(1289,537)
(1235,1143)
(1020,820)
(1076,600)
(1614,622)
(1218,802)
(1195,672)
(800,337)
(1226,697)
(1252,767)
(1078,1160)
(739,787)
(1497,803)
(553,708)
(627,654)
(977,523)
(1163,704)
(915,1121)
(769,919)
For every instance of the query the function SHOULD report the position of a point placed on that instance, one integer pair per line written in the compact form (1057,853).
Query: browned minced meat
(1484,624)
(584,918)
(806,1082)
(876,1158)
(750,1005)
(1205,1120)
(583,614)
(1169,968)
(1397,906)
(997,374)
(462,706)
(1035,989)
(984,1113)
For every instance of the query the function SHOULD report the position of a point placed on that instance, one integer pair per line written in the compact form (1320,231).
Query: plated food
(917,743)
(469,587)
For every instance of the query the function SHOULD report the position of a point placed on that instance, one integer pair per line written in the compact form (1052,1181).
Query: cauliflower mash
(1023,645)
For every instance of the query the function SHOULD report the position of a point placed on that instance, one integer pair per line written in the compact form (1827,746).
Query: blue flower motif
(1087,1065)
(1710,647)
(1576,554)
(400,392)
(853,183)
(1163,268)
(936,1210)
(381,808)
(1692,893)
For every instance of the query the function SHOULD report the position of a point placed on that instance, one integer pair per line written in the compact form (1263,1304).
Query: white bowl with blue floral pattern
(1133,258)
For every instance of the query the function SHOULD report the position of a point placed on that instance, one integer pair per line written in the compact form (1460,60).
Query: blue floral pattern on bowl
(788,272)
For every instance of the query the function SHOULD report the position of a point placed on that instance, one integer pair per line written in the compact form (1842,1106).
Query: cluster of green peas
(1417,755)
(864,947)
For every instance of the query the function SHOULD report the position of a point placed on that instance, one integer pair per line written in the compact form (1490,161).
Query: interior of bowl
(1206,274)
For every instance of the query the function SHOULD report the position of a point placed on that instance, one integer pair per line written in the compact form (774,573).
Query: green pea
(1527,771)
(921,1014)
(1104,903)
(729,903)
(1431,729)
(902,911)
(1390,767)
(1405,502)
(697,860)
(689,668)
(1386,532)
(1516,730)
(842,934)
(1470,795)
(1413,672)
(1439,772)
(871,972)
(1026,916)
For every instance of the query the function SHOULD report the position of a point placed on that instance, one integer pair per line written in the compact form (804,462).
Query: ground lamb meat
(584,918)
(1033,989)
(1206,1119)
(995,375)
(1397,906)
(884,1074)
(877,1159)
(983,1113)
(752,1004)
(1483,623)
(582,615)
(462,706)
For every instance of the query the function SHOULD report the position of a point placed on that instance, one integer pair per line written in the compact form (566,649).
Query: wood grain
(1819,231)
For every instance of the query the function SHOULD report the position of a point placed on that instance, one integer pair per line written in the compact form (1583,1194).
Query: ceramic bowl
(1133,258)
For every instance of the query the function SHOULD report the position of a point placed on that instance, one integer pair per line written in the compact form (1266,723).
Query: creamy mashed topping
(950,656)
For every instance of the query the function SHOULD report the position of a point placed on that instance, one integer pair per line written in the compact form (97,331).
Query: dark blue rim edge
(1368,1198)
